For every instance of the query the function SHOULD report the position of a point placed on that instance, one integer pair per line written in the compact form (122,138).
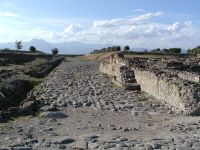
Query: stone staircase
(126,79)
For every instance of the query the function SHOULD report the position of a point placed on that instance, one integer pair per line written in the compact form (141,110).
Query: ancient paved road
(80,84)
(84,110)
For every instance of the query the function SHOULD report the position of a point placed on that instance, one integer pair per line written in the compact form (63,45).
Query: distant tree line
(111,49)
(167,51)
(108,49)
(195,50)
(32,49)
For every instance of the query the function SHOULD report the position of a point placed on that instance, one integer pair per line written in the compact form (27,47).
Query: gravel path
(84,110)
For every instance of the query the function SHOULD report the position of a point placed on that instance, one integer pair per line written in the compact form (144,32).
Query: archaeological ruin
(172,80)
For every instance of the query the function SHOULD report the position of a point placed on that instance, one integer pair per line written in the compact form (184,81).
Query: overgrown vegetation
(195,50)
(32,49)
(18,45)
(42,69)
(108,49)
(55,51)
(126,48)
(20,72)
(167,51)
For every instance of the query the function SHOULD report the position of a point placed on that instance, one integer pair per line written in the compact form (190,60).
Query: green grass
(5,127)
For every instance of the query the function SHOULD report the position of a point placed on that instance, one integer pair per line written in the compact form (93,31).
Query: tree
(126,48)
(18,45)
(175,50)
(55,51)
(145,51)
(32,49)
(118,48)
(157,50)
(165,51)
(189,51)
(195,50)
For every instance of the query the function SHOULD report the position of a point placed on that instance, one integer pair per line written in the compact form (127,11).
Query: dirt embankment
(19,74)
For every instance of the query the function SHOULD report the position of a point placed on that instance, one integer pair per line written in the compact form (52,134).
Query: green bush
(108,49)
(32,49)
(126,48)
(18,45)
(54,51)
(195,50)
(167,51)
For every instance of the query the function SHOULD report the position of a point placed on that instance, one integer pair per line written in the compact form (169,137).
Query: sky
(137,23)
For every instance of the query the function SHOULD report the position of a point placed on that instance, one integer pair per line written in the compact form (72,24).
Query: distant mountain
(64,48)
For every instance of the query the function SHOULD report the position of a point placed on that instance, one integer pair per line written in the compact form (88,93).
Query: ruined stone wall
(177,92)
(189,76)
(111,66)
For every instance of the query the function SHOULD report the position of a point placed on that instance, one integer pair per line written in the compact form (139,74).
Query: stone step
(129,80)
(132,86)
(128,74)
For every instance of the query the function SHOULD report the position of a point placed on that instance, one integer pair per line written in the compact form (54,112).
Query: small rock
(48,108)
(93,145)
(46,144)
(57,114)
(156,144)
(81,144)
(125,129)
(30,105)
(196,145)
(32,141)
(65,140)
(48,129)
(148,147)
(121,139)
(60,146)
(22,148)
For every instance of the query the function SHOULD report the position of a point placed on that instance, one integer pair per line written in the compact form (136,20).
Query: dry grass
(101,56)
(97,57)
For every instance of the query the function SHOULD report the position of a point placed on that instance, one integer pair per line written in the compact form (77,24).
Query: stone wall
(179,93)
(122,75)
(176,92)
(189,76)
(111,66)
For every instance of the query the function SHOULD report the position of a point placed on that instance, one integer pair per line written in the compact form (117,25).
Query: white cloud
(139,31)
(146,16)
(174,27)
(8,14)
(72,29)
(138,10)
(127,21)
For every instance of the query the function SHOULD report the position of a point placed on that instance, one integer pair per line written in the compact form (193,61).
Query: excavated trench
(15,91)
(181,94)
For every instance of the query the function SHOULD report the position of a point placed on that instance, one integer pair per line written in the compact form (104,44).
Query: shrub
(126,48)
(175,50)
(157,50)
(32,49)
(55,51)
(108,49)
(195,50)
(18,45)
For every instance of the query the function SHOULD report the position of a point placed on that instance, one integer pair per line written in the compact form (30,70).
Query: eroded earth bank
(83,109)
